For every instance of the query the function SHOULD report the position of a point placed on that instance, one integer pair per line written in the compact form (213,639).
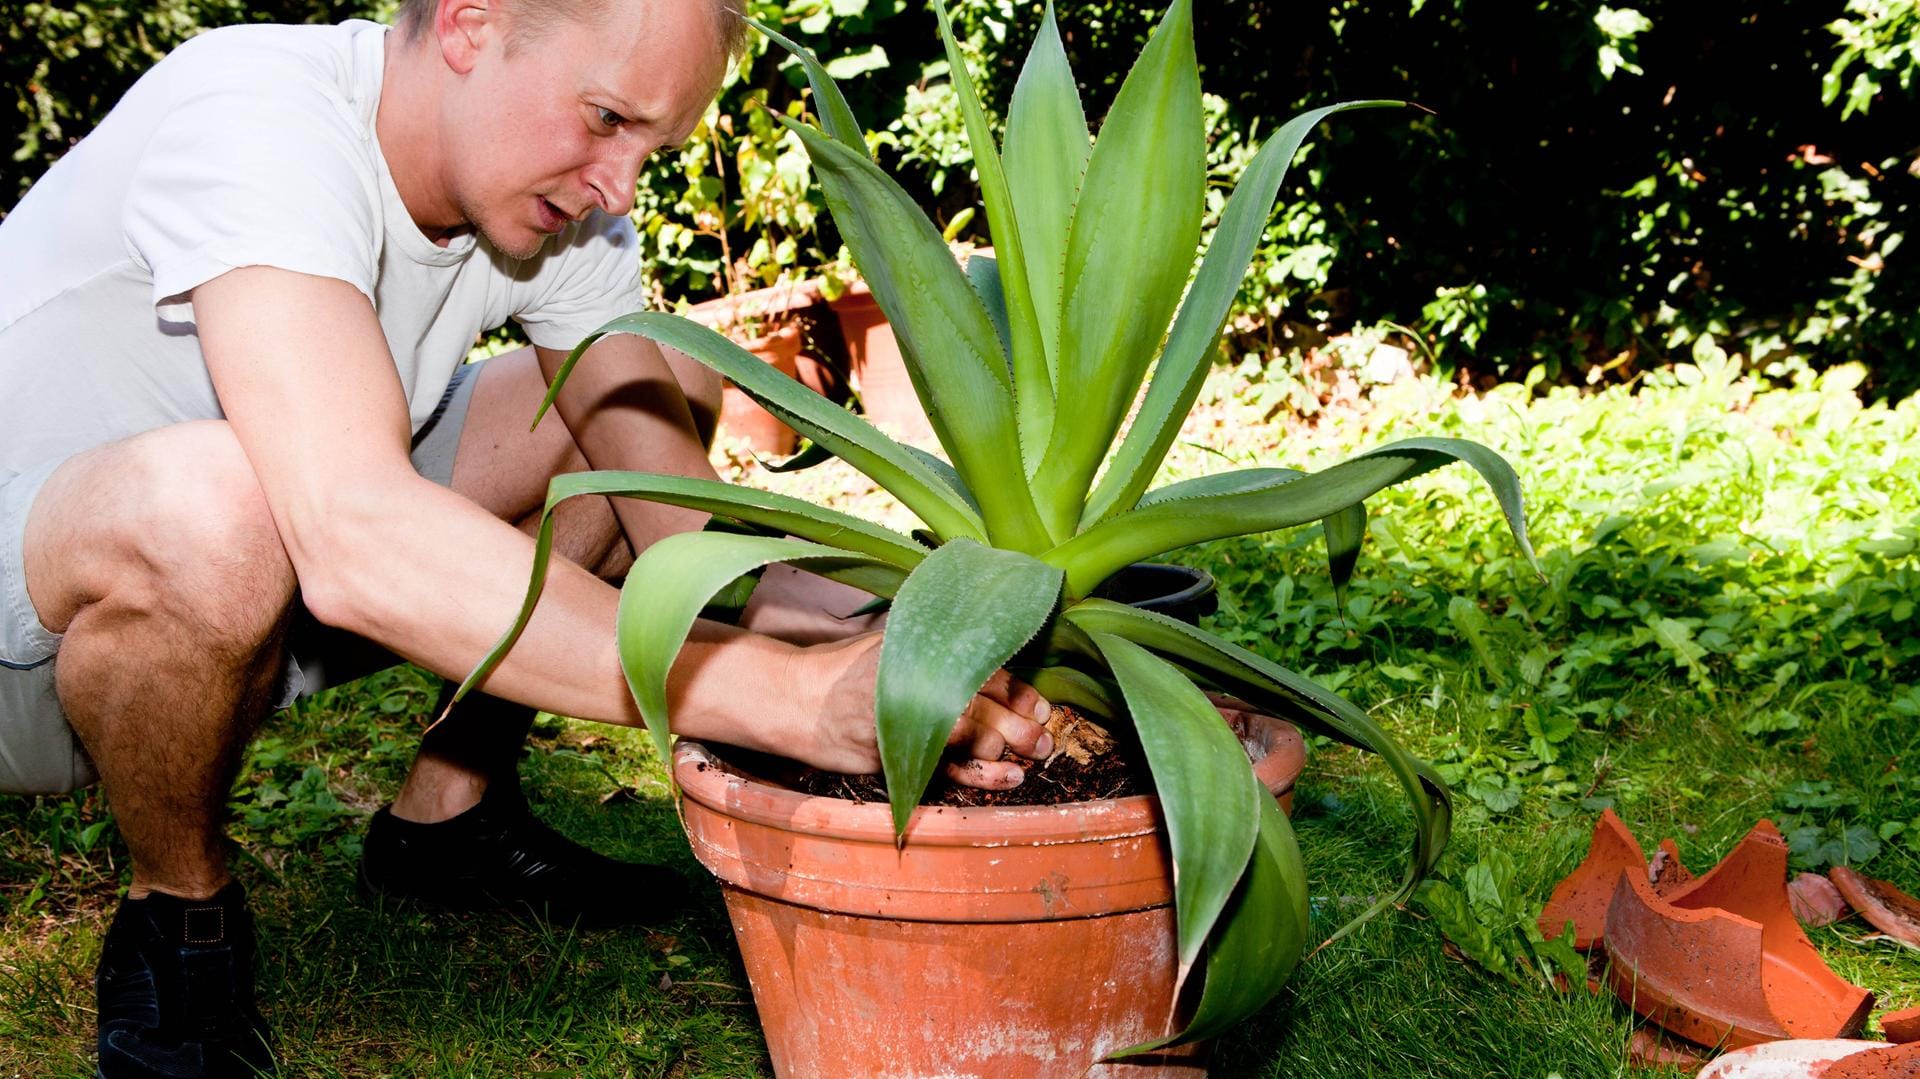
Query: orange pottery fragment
(1893,1062)
(1891,910)
(1651,1047)
(1723,959)
(1798,1059)
(1583,896)
(1901,1026)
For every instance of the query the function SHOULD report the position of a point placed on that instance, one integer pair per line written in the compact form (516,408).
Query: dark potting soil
(1088,763)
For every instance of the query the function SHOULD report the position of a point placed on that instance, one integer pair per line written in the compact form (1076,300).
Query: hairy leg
(505,467)
(157,558)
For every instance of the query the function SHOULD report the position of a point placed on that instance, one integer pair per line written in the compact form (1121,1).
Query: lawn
(1725,631)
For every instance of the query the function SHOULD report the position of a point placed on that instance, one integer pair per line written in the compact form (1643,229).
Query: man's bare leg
(158,560)
(505,467)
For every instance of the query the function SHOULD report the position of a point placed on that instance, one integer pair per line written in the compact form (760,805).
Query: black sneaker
(498,855)
(175,988)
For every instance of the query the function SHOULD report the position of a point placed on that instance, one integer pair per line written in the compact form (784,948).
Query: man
(231,325)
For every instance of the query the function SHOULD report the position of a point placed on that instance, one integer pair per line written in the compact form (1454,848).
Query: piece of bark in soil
(1088,763)
(1816,902)
(1665,871)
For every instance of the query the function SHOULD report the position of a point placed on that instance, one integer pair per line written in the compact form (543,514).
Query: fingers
(1017,695)
(989,726)
(987,775)
(1004,715)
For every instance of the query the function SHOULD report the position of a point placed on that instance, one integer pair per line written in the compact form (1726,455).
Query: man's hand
(1005,714)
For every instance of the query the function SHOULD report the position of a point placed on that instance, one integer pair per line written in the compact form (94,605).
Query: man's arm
(385,553)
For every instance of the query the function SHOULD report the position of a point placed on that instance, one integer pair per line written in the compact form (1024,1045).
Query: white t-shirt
(251,146)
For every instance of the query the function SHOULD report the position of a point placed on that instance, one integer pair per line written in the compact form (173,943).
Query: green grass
(1726,633)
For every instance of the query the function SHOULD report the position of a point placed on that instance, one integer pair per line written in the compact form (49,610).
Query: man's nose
(615,174)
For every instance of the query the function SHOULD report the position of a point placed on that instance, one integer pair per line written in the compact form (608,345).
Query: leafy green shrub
(1598,187)
(1756,538)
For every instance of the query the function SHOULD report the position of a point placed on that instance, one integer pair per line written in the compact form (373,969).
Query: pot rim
(709,779)
(1200,584)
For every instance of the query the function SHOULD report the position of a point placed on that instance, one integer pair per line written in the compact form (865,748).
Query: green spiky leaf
(968,395)
(1136,227)
(957,618)
(1208,793)
(1183,365)
(669,584)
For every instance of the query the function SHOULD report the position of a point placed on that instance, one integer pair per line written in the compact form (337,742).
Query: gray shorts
(39,753)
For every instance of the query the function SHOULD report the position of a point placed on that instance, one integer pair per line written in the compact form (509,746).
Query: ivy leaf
(1493,925)
(851,64)
(1453,912)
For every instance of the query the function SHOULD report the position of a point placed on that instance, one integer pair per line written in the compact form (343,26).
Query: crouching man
(236,434)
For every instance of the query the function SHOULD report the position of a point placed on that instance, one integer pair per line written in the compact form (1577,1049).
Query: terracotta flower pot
(1004,942)
(783,306)
(879,370)
(741,417)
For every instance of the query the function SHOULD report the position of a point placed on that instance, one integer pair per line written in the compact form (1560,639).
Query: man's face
(558,124)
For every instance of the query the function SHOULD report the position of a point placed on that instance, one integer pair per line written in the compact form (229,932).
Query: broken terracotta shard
(1891,910)
(1901,1026)
(1893,1062)
(1583,896)
(1723,959)
(1651,1047)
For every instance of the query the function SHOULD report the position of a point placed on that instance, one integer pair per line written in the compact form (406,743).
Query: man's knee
(701,385)
(170,522)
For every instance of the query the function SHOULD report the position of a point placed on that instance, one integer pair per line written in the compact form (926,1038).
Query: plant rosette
(1026,365)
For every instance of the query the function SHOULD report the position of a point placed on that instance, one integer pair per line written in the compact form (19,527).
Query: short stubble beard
(519,255)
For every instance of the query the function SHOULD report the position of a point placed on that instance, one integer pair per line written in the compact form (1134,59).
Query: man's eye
(611,118)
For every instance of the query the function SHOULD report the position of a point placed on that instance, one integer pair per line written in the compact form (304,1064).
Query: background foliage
(1594,188)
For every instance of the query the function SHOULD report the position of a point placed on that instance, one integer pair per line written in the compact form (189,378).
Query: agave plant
(1027,365)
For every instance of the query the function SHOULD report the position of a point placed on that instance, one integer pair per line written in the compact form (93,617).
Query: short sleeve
(254,168)
(591,277)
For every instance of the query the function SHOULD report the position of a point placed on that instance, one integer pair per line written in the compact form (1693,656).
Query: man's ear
(464,28)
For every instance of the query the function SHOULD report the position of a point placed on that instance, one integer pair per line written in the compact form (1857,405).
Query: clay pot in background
(1011,942)
(879,371)
(741,417)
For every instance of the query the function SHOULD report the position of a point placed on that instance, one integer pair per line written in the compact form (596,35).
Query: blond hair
(413,17)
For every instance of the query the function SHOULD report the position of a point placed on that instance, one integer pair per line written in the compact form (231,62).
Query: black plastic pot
(1176,591)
